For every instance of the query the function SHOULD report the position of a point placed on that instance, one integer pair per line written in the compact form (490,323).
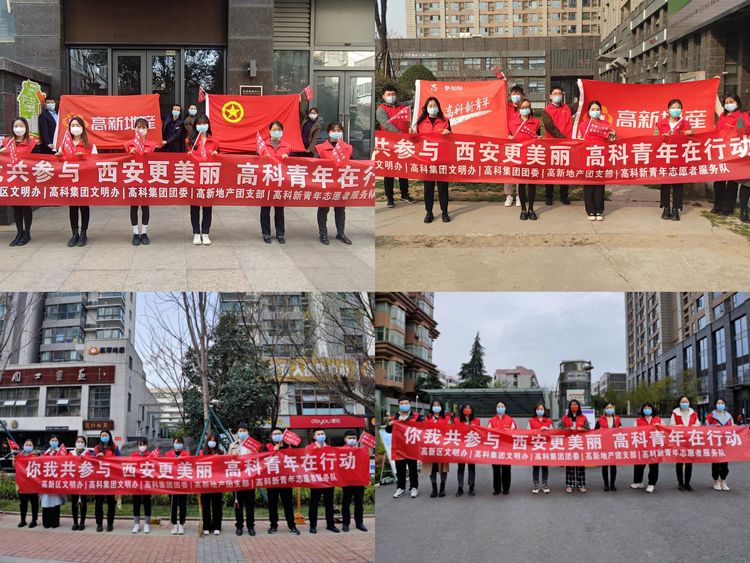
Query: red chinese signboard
(58,376)
(98,424)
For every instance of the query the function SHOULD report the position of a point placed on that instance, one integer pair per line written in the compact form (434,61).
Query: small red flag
(252,444)
(138,142)
(155,453)
(367,440)
(201,94)
(498,73)
(12,152)
(67,143)
(260,145)
(13,445)
(63,450)
(308,92)
(403,114)
(291,438)
(339,154)
(202,145)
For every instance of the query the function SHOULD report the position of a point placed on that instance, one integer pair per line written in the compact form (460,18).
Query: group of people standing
(573,419)
(190,134)
(556,121)
(212,504)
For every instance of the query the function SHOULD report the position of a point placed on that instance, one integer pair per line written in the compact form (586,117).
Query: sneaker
(717,485)
(145,239)
(294,531)
(508,200)
(206,240)
(581,489)
(174,530)
(518,201)
(636,485)
(390,205)
(398,493)
(147,528)
(650,489)
(414,493)
(568,489)
(180,529)
(206,532)
(545,489)
(196,239)
(407,199)
(688,487)
(535,490)
(599,217)
(724,486)
(136,528)
(592,217)
(136,240)
(217,532)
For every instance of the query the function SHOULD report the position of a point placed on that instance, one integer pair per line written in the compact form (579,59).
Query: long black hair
(109,445)
(570,412)
(442,408)
(647,404)
(25,124)
(462,417)
(423,112)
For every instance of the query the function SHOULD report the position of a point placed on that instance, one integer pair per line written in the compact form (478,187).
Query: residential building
(515,378)
(574,382)
(448,381)
(615,382)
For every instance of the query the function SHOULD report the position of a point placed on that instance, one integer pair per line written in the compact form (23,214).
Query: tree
(406,83)
(429,381)
(15,324)
(472,373)
(383,63)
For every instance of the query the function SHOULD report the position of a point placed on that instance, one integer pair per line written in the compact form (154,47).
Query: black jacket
(174,134)
(47,126)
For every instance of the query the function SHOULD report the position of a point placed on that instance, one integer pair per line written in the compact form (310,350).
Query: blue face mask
(432,111)
(242,435)
(525,111)
(404,408)
(515,98)
(721,407)
(647,412)
(178,446)
(276,438)
(193,112)
(202,128)
(609,411)
(556,99)
(105,439)
(675,112)
(28,449)
(500,411)
(212,444)
(730,107)
(320,438)
(684,405)
(175,114)
(540,412)
(390,100)
(436,409)
(594,113)
(336,135)
(54,443)
(277,134)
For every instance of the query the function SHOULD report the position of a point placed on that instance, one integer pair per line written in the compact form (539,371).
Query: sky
(534,330)
(396,18)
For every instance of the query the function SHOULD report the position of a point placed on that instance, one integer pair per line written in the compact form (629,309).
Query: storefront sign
(57,376)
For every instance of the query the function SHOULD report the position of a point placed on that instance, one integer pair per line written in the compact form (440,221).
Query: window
(312,400)
(396,337)
(60,356)
(110,314)
(354,344)
(130,401)
(699,303)
(398,317)
(63,334)
(89,71)
(719,311)
(516,64)
(63,401)
(473,63)
(702,357)
(7,26)
(206,67)
(19,401)
(688,358)
(430,64)
(738,299)
(671,368)
(702,322)
(450,65)
(130,362)
(395,371)
(99,402)
(291,71)
(537,63)
(109,334)
(63,311)
(741,354)
(720,359)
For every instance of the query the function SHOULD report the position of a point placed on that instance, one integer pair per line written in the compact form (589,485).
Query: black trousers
(401,466)
(199,228)
(278,220)
(549,192)
(145,501)
(677,196)
(286,502)
(327,495)
(719,471)
(212,511)
(85,212)
(99,509)
(744,196)
(684,472)
(244,508)
(527,195)
(22,215)
(339,215)
(501,478)
(178,506)
(145,215)
(609,474)
(725,195)
(653,473)
(357,496)
(79,506)
(26,500)
(403,185)
(434,473)
(429,195)
(472,473)
(51,517)
(593,198)
(535,474)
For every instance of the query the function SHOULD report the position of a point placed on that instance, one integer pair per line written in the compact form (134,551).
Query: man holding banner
(392,115)
(244,500)
(558,124)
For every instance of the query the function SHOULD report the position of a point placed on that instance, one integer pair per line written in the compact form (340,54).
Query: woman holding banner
(78,502)
(279,149)
(203,146)
(437,417)
(575,475)
(22,145)
(609,420)
(244,500)
(277,444)
(647,418)
(467,416)
(540,422)
(141,451)
(432,120)
(105,448)
(335,142)
(27,498)
(684,415)
(501,473)
(595,129)
(670,126)
(211,503)
(140,145)
(177,502)
(730,118)
(51,502)
(720,417)
(526,127)
(75,144)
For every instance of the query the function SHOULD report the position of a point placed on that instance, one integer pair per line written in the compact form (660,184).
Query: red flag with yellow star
(235,120)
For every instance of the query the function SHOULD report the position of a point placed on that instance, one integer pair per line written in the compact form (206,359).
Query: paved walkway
(238,259)
(487,248)
(62,544)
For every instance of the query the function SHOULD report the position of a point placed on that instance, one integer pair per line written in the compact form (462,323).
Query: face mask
(730,107)
(80,445)
(721,407)
(390,100)
(609,411)
(351,441)
(276,438)
(574,409)
(540,412)
(75,131)
(175,114)
(594,113)
(515,98)
(193,112)
(277,134)
(178,446)
(436,409)
(556,99)
(54,443)
(467,412)
(647,412)
(684,405)
(51,107)
(142,448)
(500,410)
(313,116)
(336,135)
(242,435)
(19,131)
(320,438)
(28,449)
(433,111)
(525,111)
(142,132)
(212,444)
(675,112)
(404,408)
(202,128)
(105,439)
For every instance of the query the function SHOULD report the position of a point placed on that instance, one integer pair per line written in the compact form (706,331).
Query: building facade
(574,382)
(704,344)
(70,368)
(515,378)
(614,382)
(405,330)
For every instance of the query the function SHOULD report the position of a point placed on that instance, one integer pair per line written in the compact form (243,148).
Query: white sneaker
(206,532)
(724,486)
(180,529)
(174,530)
(650,489)
(599,217)
(545,489)
(136,528)
(196,239)
(206,240)
(508,200)
(217,532)
(592,217)
(147,528)
(636,485)
(535,491)
(398,493)
(518,201)
(414,493)
(717,485)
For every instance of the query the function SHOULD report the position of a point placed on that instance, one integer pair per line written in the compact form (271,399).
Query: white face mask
(75,130)
(80,445)
(19,131)
(142,132)
(313,116)
(142,448)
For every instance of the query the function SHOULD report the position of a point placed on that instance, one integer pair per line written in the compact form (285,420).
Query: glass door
(130,73)
(347,97)
(164,79)
(328,99)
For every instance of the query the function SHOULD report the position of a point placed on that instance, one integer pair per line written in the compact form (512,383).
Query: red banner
(634,110)
(290,438)
(675,159)
(474,108)
(367,440)
(236,119)
(179,179)
(252,444)
(461,443)
(309,468)
(110,120)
